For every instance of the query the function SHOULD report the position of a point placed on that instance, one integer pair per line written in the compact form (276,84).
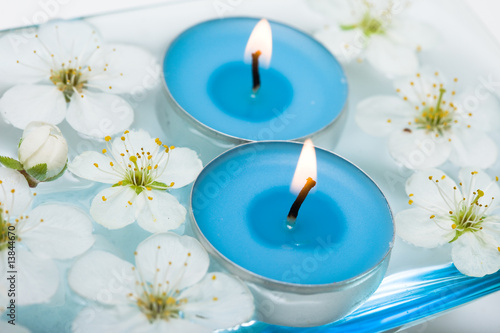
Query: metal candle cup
(208,85)
(333,259)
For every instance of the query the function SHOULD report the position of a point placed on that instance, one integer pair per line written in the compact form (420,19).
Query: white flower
(168,290)
(429,124)
(376,30)
(49,232)
(141,169)
(43,143)
(465,215)
(65,71)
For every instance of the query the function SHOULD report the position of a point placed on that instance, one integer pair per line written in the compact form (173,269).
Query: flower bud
(43,143)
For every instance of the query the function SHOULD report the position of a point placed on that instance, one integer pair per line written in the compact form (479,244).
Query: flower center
(67,80)
(139,169)
(469,217)
(161,306)
(436,118)
(4,232)
(369,25)
(7,230)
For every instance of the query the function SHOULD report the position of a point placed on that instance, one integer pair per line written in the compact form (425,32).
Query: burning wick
(258,51)
(294,210)
(255,71)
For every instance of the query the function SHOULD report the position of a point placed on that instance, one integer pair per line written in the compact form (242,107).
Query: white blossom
(465,215)
(65,71)
(168,290)
(43,143)
(35,238)
(140,170)
(430,123)
(377,31)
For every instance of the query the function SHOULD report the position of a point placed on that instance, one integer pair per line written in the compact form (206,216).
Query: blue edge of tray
(403,298)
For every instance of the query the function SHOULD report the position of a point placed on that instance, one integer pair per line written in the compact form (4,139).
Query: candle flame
(261,39)
(306,167)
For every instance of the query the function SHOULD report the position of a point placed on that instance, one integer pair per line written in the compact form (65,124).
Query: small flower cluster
(66,72)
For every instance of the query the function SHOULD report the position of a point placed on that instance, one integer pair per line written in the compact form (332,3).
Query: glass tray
(420,283)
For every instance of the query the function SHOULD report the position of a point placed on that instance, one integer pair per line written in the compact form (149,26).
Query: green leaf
(59,174)
(11,163)
(39,171)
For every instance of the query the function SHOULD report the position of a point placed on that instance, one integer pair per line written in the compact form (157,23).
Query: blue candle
(302,92)
(344,230)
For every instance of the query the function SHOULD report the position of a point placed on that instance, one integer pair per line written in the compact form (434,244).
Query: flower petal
(159,211)
(19,46)
(43,143)
(23,104)
(178,325)
(390,58)
(485,114)
(181,260)
(34,136)
(346,45)
(412,33)
(84,166)
(418,150)
(134,141)
(340,11)
(416,227)
(218,301)
(16,203)
(117,209)
(38,278)
(421,87)
(473,148)
(183,167)
(102,277)
(382,115)
(129,69)
(474,179)
(438,197)
(127,319)
(474,255)
(67,40)
(99,114)
(70,226)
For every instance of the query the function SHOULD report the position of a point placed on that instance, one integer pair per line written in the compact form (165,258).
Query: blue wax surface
(241,200)
(303,91)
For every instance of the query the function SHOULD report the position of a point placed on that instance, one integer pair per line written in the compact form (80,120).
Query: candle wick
(255,71)
(294,210)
